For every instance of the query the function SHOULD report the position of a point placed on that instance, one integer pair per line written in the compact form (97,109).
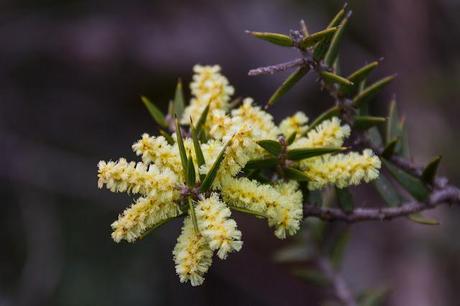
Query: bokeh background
(71,72)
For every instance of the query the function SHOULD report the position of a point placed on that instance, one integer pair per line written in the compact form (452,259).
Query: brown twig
(447,195)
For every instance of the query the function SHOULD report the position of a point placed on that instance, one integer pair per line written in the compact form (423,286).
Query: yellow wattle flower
(145,213)
(328,133)
(192,255)
(215,225)
(342,170)
(282,203)
(121,176)
(296,123)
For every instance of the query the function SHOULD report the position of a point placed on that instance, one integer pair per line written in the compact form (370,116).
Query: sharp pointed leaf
(312,276)
(333,111)
(191,211)
(333,50)
(191,176)
(167,136)
(156,114)
(179,100)
(339,247)
(387,191)
(323,46)
(366,122)
(390,148)
(197,146)
(357,77)
(392,130)
(274,38)
(334,78)
(295,174)
(182,152)
(370,91)
(419,218)
(262,163)
(345,199)
(202,120)
(212,173)
(271,146)
(291,138)
(412,184)
(314,38)
(303,153)
(287,84)
(429,173)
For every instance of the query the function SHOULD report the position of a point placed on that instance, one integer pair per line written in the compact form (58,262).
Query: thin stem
(277,68)
(447,195)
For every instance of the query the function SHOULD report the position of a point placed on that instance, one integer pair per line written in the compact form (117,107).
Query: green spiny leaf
(291,138)
(419,218)
(271,146)
(412,184)
(295,174)
(274,38)
(387,191)
(191,176)
(333,50)
(334,78)
(393,129)
(375,137)
(262,163)
(390,148)
(212,173)
(154,112)
(312,276)
(345,199)
(370,91)
(197,146)
(357,77)
(429,173)
(292,79)
(182,152)
(167,136)
(314,38)
(303,153)
(333,111)
(366,122)
(179,100)
(404,149)
(192,214)
(323,46)
(202,119)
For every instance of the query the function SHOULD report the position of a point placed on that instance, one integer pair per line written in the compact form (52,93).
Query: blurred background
(71,72)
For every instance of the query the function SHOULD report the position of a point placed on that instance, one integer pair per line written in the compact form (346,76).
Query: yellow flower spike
(342,170)
(192,255)
(215,225)
(136,178)
(294,124)
(142,215)
(327,134)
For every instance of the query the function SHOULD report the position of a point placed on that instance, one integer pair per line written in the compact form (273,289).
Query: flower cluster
(226,167)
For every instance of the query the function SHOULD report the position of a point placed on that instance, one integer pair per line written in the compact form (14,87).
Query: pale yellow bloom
(209,86)
(215,225)
(342,170)
(135,178)
(155,149)
(282,203)
(260,122)
(192,255)
(328,133)
(294,124)
(142,215)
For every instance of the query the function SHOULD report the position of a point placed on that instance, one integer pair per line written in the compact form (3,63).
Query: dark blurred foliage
(71,73)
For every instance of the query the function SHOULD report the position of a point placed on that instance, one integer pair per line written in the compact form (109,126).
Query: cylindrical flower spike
(215,225)
(327,134)
(192,255)
(142,215)
(136,178)
(342,170)
(294,124)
